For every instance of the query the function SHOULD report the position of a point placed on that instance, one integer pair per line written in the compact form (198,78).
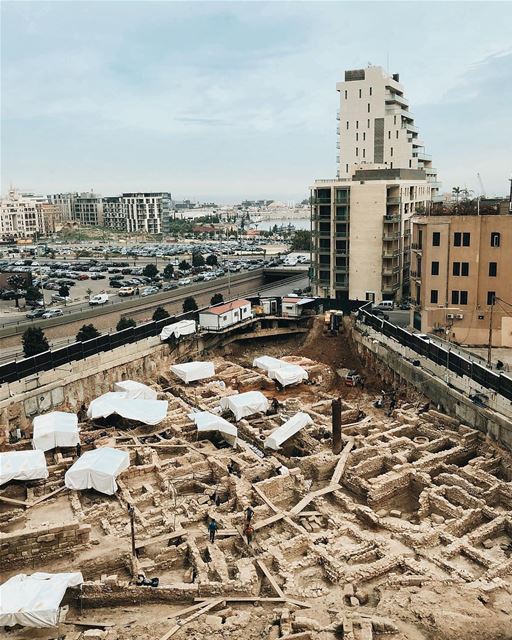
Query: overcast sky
(226,101)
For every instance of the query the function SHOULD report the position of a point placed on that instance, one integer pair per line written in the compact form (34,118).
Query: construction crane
(482,188)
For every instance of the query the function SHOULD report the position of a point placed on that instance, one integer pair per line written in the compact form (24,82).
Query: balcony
(391,219)
(438,197)
(415,275)
(390,237)
(337,115)
(410,127)
(395,98)
(393,200)
(416,246)
(424,157)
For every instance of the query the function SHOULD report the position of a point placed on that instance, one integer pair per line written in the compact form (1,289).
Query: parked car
(97,276)
(98,299)
(380,314)
(83,276)
(52,313)
(126,291)
(58,298)
(35,313)
(147,291)
(169,287)
(352,378)
(116,284)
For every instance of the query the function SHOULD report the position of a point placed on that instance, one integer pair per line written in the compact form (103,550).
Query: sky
(231,100)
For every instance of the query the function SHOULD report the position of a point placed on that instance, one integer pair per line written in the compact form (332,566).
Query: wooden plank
(340,467)
(266,500)
(311,496)
(89,624)
(183,612)
(13,501)
(140,544)
(264,523)
(207,606)
(270,578)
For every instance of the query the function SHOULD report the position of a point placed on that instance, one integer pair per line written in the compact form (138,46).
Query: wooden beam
(207,606)
(340,467)
(43,498)
(89,624)
(13,501)
(165,537)
(266,500)
(270,578)
(270,520)
(311,496)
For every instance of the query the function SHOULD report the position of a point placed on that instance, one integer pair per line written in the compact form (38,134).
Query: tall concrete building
(361,218)
(21,216)
(88,209)
(461,274)
(65,202)
(147,212)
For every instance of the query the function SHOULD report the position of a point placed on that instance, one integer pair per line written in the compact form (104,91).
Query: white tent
(22,465)
(146,411)
(97,469)
(287,430)
(177,329)
(136,390)
(244,404)
(288,374)
(268,362)
(191,371)
(34,601)
(206,421)
(55,429)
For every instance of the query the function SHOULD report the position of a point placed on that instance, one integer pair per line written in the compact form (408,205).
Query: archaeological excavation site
(273,482)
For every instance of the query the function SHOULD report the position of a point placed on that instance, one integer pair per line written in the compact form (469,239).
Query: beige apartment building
(461,277)
(21,216)
(361,219)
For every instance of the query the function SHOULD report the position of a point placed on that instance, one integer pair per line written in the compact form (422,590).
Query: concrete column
(337,442)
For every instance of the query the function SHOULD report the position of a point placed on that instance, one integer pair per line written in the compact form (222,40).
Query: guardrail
(498,382)
(53,358)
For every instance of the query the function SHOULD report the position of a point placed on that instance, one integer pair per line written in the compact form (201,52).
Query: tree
(160,314)
(125,323)
(189,304)
(184,265)
(87,332)
(217,298)
(34,341)
(211,260)
(150,271)
(197,260)
(64,290)
(301,240)
(17,282)
(168,271)
(33,293)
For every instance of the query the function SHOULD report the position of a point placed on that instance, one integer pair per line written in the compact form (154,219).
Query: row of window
(360,93)
(460,297)
(463,238)
(462,268)
(357,123)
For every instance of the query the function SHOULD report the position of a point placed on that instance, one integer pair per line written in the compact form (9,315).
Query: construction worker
(212,529)
(78,450)
(249,532)
(249,512)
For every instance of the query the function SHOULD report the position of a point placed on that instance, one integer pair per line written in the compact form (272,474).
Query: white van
(385,305)
(100,298)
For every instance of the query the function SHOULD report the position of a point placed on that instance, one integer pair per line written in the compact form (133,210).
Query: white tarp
(288,374)
(206,421)
(177,329)
(136,390)
(97,469)
(146,411)
(55,429)
(22,465)
(34,601)
(287,430)
(244,404)
(191,371)
(268,362)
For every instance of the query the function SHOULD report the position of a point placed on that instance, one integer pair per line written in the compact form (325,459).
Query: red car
(83,276)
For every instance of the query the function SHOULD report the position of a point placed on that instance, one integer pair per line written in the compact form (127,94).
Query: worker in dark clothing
(82,413)
(231,467)
(274,406)
(212,529)
(78,450)
(249,512)
(249,532)
(217,500)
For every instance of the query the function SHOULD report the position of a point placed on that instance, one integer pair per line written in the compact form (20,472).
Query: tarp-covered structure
(288,374)
(287,430)
(135,390)
(192,371)
(178,329)
(55,429)
(119,402)
(209,422)
(22,465)
(97,469)
(244,404)
(34,601)
(267,362)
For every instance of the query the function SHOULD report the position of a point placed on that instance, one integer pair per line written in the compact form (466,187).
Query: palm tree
(457,191)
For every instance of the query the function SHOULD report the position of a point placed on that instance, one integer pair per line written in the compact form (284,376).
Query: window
(457,239)
(436,239)
(360,92)
(357,137)
(397,133)
(391,153)
(357,124)
(370,91)
(459,297)
(435,268)
(368,123)
(357,151)
(433,296)
(346,168)
(347,125)
(394,119)
(455,297)
(495,239)
(491,297)
(389,135)
(410,164)
(368,107)
(364,153)
(456,269)
(364,136)
(346,95)
(466,237)
(493,269)
(463,297)
(464,268)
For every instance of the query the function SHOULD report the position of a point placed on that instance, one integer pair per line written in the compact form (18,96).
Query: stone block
(57,396)
(436,518)
(488,544)
(49,537)
(394,513)
(213,622)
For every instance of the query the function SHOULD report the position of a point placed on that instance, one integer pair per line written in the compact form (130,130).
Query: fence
(498,382)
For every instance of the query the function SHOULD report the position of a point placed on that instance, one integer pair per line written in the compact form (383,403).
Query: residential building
(88,209)
(361,218)
(461,273)
(53,217)
(65,202)
(147,212)
(114,214)
(21,216)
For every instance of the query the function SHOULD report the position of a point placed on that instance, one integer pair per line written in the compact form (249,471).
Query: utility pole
(131,512)
(489,348)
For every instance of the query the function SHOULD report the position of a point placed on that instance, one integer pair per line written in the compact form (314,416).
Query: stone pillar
(337,442)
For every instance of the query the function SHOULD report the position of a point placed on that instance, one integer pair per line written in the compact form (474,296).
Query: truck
(98,299)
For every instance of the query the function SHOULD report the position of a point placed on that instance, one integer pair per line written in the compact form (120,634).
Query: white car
(98,299)
(52,313)
(184,282)
(147,291)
